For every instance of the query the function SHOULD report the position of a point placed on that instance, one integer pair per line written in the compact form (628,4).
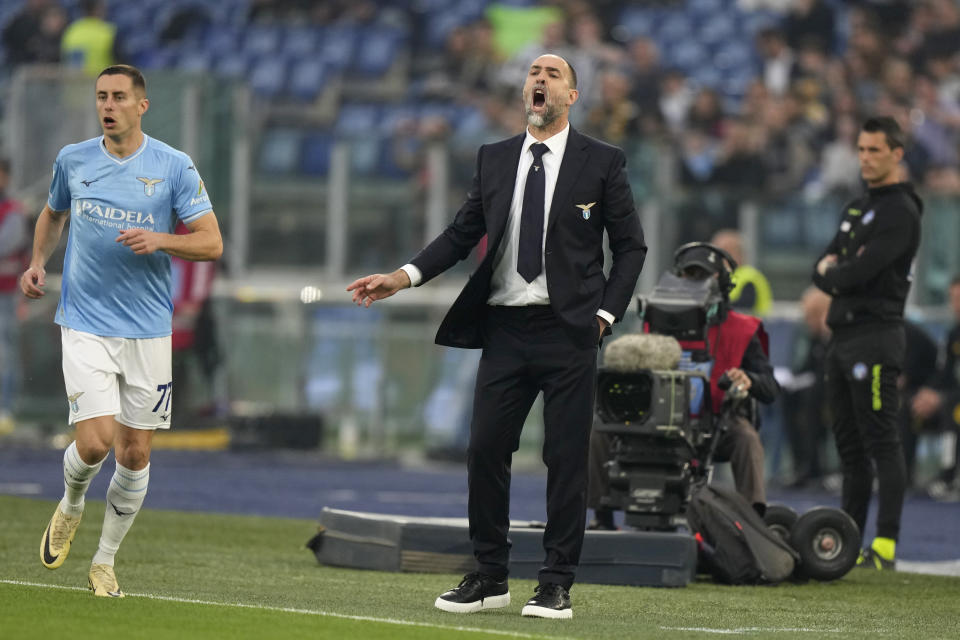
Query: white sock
(77,476)
(127,490)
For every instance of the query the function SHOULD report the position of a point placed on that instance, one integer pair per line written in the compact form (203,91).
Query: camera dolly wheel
(780,519)
(828,541)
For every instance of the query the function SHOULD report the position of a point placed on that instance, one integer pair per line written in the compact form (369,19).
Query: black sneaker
(476,592)
(551,601)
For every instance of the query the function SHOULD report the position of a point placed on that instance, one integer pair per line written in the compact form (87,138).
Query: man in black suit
(537,305)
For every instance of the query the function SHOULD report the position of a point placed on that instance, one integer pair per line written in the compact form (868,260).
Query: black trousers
(526,351)
(861,373)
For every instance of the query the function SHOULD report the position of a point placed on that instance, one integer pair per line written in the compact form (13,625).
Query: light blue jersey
(108,290)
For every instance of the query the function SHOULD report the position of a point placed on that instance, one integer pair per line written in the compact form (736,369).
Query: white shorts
(129,378)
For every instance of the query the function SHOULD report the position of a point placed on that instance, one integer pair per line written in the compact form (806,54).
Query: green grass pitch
(198,575)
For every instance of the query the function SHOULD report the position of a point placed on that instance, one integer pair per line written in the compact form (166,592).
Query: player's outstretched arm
(378,286)
(202,243)
(46,237)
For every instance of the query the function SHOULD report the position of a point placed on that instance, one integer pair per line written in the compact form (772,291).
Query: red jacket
(728,344)
(11,266)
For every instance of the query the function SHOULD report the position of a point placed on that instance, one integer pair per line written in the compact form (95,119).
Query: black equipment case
(442,545)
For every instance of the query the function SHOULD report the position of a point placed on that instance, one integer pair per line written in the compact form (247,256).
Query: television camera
(653,396)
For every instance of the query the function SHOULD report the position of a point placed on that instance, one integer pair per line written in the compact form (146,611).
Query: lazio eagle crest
(149,185)
(585,209)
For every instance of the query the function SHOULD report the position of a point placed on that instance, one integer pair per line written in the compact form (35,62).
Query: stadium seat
(280,151)
(222,40)
(262,41)
(301,42)
(195,61)
(268,76)
(377,51)
(438,27)
(718,29)
(307,78)
(357,120)
(393,115)
(734,56)
(315,154)
(336,45)
(232,65)
(686,54)
(674,28)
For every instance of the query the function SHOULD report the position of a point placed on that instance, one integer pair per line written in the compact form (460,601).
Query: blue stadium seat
(357,120)
(638,21)
(280,151)
(307,78)
(377,51)
(155,58)
(394,114)
(707,8)
(195,61)
(301,42)
(365,155)
(233,65)
(718,29)
(268,76)
(686,54)
(336,45)
(438,27)
(221,40)
(734,55)
(675,27)
(315,153)
(707,76)
(262,41)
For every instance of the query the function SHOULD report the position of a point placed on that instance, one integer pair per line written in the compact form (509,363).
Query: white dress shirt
(507,286)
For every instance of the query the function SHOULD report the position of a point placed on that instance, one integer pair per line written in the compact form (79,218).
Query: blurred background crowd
(335,136)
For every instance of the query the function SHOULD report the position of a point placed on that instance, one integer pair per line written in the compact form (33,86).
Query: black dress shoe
(551,601)
(476,592)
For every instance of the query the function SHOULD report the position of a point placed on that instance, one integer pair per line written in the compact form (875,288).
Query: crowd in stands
(754,94)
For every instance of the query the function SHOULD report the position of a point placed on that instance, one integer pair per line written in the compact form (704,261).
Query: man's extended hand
(827,262)
(378,286)
(32,282)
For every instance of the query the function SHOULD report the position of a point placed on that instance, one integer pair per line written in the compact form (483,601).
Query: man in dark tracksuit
(866,268)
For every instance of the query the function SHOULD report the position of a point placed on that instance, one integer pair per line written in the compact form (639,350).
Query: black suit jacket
(590,172)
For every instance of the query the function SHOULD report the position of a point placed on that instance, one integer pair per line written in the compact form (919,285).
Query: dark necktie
(530,248)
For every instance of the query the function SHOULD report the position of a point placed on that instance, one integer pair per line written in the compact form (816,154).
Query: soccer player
(125,192)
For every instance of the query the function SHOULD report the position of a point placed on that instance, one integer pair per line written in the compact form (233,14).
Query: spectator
(919,371)
(14,256)
(644,64)
(810,19)
(22,33)
(739,159)
(615,118)
(777,60)
(805,410)
(193,341)
(941,400)
(91,42)
(751,291)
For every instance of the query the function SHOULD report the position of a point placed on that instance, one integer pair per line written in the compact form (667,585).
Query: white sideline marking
(741,630)
(329,614)
(20,488)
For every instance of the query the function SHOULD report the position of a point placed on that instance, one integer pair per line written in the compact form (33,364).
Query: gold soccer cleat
(55,544)
(103,582)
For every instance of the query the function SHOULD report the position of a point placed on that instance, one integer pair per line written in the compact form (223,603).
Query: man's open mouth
(539,98)
(109,120)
